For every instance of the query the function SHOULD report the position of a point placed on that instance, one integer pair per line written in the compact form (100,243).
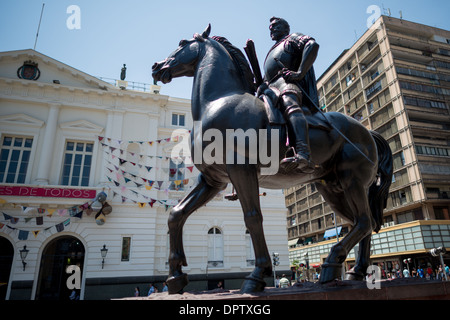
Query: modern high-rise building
(395,80)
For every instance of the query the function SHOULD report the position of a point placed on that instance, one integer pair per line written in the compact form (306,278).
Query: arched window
(249,249)
(215,248)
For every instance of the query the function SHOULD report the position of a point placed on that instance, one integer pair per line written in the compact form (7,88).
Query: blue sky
(141,32)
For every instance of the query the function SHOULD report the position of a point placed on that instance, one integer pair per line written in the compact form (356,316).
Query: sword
(280,64)
(253,59)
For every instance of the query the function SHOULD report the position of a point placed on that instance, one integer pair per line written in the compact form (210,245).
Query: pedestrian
(151,290)
(277,282)
(284,282)
(440,273)
(165,288)
(405,273)
(137,292)
(220,285)
(429,273)
(447,271)
(420,272)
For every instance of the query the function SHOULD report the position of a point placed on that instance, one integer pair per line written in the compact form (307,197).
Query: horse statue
(353,165)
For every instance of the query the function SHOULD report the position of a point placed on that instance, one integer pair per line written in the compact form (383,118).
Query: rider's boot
(298,129)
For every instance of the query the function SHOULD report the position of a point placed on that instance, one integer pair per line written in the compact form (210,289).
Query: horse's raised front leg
(199,196)
(352,204)
(245,180)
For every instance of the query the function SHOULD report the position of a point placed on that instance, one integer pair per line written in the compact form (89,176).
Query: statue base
(397,289)
(122,84)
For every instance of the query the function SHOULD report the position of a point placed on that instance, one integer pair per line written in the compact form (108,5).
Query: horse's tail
(379,190)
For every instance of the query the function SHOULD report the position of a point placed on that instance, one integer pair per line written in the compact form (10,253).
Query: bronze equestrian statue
(352,165)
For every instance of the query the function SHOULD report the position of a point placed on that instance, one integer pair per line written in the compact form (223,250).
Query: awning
(292,242)
(332,232)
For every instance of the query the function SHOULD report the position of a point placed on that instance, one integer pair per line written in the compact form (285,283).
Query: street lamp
(104,252)
(23,256)
(407,262)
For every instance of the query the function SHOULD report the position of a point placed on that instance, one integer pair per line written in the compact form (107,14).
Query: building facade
(395,80)
(87,179)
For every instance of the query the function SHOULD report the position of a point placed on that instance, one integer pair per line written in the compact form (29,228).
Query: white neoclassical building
(67,140)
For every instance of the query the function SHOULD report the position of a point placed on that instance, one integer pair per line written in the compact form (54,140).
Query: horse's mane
(240,61)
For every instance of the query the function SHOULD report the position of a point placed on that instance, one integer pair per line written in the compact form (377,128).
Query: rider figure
(287,67)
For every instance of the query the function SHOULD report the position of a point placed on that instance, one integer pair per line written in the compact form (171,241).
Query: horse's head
(182,61)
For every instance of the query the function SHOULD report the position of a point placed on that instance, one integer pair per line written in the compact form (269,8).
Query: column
(47,150)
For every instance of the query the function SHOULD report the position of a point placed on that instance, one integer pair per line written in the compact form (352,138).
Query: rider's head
(279,28)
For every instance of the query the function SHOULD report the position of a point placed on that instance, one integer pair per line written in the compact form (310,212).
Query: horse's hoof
(176,284)
(353,274)
(330,272)
(252,285)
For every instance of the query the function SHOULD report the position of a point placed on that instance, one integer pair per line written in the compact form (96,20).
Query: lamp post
(104,252)
(439,252)
(407,262)
(23,256)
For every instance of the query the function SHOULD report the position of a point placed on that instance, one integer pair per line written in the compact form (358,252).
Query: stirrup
(297,162)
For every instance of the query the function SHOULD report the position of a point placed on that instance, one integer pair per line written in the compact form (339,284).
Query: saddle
(271,99)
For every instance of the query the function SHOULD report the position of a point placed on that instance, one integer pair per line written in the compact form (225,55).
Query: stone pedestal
(122,84)
(398,289)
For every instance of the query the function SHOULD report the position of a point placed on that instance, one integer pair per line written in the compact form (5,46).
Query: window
(126,248)
(178,119)
(77,163)
(215,248)
(14,159)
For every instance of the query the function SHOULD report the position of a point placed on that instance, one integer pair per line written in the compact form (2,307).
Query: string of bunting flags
(9,221)
(119,141)
(116,174)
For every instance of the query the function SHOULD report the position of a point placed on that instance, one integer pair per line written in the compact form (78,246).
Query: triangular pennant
(141,204)
(36,232)
(79,214)
(50,212)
